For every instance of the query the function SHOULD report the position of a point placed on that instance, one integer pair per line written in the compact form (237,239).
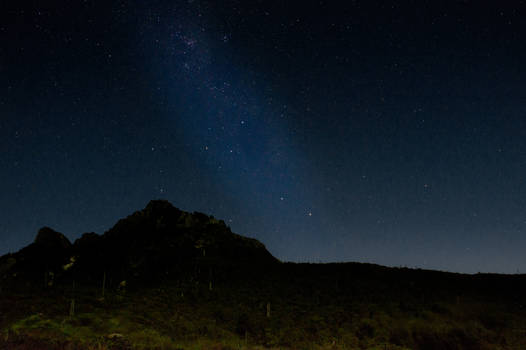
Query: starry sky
(389,132)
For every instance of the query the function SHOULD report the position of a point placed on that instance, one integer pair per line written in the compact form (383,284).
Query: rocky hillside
(159,243)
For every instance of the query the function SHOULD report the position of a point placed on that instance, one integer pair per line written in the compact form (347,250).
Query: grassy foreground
(297,308)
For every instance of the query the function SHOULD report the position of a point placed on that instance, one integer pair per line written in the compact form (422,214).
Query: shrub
(365,330)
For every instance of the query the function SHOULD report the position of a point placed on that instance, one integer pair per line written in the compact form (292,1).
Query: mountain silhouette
(159,243)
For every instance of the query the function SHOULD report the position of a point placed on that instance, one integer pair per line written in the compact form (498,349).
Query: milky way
(361,131)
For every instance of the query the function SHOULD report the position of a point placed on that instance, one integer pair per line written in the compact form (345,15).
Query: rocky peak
(154,244)
(159,206)
(51,239)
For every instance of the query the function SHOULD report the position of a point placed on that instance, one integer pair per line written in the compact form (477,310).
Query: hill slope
(157,244)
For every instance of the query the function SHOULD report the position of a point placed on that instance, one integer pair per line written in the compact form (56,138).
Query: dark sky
(383,132)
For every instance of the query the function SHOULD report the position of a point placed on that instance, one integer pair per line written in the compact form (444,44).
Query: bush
(365,330)
(400,336)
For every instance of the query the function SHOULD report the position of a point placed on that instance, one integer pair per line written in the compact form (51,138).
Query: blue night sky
(384,132)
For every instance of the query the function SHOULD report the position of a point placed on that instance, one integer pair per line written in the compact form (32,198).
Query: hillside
(155,245)
(163,278)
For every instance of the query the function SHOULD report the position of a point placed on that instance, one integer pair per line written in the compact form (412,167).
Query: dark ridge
(158,244)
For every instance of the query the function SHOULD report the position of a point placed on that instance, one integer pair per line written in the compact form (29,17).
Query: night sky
(384,132)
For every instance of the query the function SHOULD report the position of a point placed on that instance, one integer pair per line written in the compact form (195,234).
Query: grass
(304,315)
